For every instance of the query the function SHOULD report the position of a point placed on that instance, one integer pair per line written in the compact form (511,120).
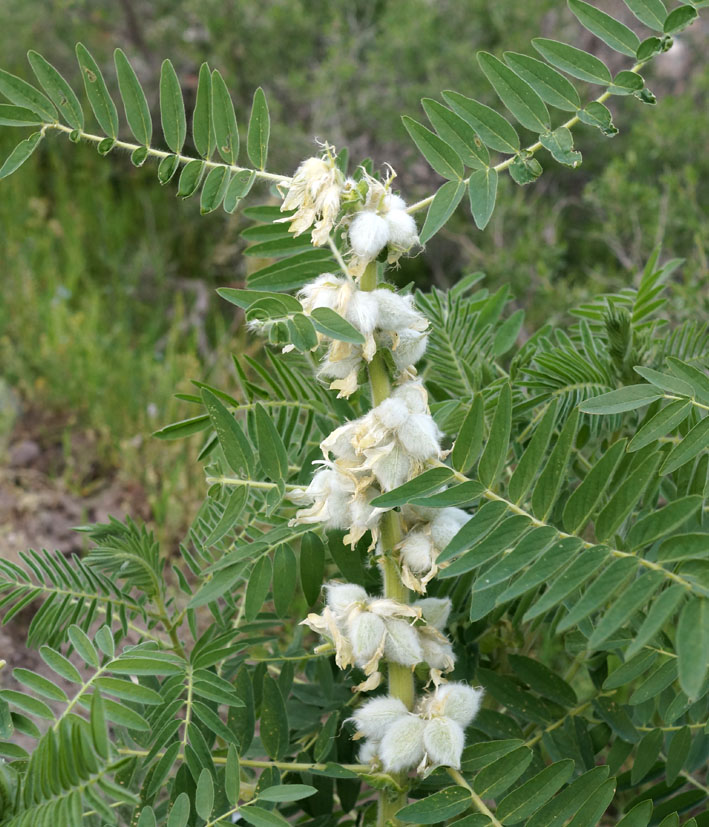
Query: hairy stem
(401,679)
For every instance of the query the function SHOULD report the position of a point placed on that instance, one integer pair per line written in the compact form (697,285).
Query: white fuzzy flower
(402,230)
(368,752)
(339,442)
(420,436)
(363,517)
(402,744)
(331,493)
(314,192)
(340,596)
(417,551)
(446,524)
(443,741)
(408,348)
(402,643)
(397,312)
(392,413)
(414,396)
(367,633)
(459,702)
(369,233)
(363,311)
(390,464)
(435,611)
(436,650)
(374,716)
(391,201)
(325,291)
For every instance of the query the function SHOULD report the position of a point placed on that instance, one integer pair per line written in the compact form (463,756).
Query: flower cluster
(429,532)
(363,458)
(314,192)
(430,736)
(384,318)
(382,222)
(365,629)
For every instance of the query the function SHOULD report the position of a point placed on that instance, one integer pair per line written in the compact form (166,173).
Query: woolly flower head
(382,222)
(364,629)
(431,736)
(314,192)
(421,545)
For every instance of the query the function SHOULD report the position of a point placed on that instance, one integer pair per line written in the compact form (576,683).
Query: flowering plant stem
(400,678)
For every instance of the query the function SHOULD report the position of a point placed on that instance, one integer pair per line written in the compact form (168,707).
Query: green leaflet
(440,155)
(693,443)
(661,424)
(274,720)
(172,108)
(444,204)
(625,498)
(551,86)
(661,610)
(23,94)
(333,325)
(425,483)
(259,130)
(441,805)
(679,19)
(693,645)
(549,482)
(650,12)
(534,793)
(482,190)
(18,116)
(495,453)
(213,190)
(611,31)
(20,154)
(632,599)
(494,130)
(224,120)
(516,94)
(573,61)
(531,459)
(458,133)
(204,797)
(202,131)
(61,94)
(470,437)
(583,501)
(621,400)
(237,450)
(663,521)
(272,451)
(134,102)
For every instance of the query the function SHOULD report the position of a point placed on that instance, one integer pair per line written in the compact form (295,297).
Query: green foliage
(582,455)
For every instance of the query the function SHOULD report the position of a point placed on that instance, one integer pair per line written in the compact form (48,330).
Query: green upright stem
(401,679)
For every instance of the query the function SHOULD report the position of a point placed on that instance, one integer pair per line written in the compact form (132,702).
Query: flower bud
(393,202)
(437,652)
(420,436)
(435,611)
(402,744)
(366,633)
(443,741)
(362,311)
(446,524)
(340,596)
(369,232)
(459,702)
(402,643)
(376,715)
(402,229)
(368,752)
(416,551)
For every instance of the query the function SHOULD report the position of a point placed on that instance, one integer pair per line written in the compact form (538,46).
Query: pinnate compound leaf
(259,130)
(134,102)
(172,108)
(61,94)
(611,31)
(440,155)
(516,94)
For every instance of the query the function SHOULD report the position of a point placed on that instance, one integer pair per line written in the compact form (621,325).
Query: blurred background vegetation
(107,302)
